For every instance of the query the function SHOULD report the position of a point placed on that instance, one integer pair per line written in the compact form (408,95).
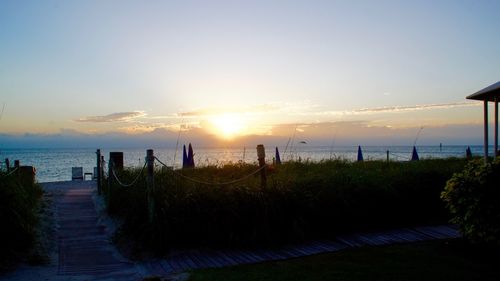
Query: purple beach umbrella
(278,158)
(468,153)
(190,156)
(184,157)
(414,154)
(360,154)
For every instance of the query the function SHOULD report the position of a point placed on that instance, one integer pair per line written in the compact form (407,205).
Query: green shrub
(18,215)
(302,200)
(473,198)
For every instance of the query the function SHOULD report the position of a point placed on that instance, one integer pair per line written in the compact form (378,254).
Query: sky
(236,72)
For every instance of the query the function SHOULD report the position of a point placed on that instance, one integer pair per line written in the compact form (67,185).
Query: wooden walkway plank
(229,258)
(85,248)
(84,245)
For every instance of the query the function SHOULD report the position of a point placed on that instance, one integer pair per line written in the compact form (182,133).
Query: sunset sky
(244,71)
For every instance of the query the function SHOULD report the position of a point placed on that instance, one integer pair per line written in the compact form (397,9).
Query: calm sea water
(55,164)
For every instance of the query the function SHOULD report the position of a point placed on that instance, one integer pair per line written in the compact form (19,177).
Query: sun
(228,125)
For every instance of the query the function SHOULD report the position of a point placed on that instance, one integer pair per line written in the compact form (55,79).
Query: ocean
(55,164)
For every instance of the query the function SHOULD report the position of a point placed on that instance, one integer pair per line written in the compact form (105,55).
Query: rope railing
(10,173)
(399,156)
(212,183)
(133,182)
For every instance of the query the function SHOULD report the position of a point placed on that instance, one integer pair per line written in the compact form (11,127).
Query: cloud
(416,107)
(254,109)
(400,108)
(113,117)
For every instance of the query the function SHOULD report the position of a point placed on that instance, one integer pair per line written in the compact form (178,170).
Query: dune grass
(435,260)
(302,200)
(19,202)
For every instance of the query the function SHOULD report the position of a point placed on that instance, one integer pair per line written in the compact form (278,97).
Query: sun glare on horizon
(228,126)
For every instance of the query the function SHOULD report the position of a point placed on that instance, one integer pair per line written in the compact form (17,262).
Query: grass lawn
(435,260)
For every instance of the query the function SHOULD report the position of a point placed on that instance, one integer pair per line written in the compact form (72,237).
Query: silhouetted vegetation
(19,201)
(302,200)
(473,198)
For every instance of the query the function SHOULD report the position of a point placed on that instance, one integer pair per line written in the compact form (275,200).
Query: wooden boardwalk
(84,246)
(85,250)
(196,259)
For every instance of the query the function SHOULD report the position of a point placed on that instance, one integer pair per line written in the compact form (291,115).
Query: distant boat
(360,154)
(414,154)
(302,142)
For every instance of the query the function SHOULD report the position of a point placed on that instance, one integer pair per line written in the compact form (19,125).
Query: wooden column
(485,131)
(99,169)
(496,127)
(150,160)
(110,180)
(117,159)
(7,164)
(261,156)
(27,175)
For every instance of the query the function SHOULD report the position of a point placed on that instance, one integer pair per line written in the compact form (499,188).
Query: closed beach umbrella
(468,153)
(190,156)
(414,154)
(278,159)
(360,154)
(184,157)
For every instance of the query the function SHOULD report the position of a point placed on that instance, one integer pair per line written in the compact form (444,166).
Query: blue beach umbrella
(278,159)
(190,156)
(184,157)
(468,153)
(414,154)
(360,154)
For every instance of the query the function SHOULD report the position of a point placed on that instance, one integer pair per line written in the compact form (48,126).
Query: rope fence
(133,182)
(211,183)
(399,156)
(10,173)
(151,162)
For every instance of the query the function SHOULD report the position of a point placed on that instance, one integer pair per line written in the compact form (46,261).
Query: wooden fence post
(7,164)
(261,156)
(150,160)
(110,180)
(27,175)
(117,159)
(17,164)
(387,156)
(99,169)
(102,167)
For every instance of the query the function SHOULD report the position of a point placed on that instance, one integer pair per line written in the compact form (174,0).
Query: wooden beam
(485,131)
(496,127)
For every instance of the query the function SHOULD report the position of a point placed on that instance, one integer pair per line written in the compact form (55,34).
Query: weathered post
(485,105)
(102,166)
(150,162)
(117,159)
(17,164)
(99,191)
(387,156)
(7,164)
(261,156)
(110,179)
(27,175)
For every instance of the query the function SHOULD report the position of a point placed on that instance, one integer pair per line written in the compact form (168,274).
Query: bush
(302,200)
(473,198)
(18,215)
